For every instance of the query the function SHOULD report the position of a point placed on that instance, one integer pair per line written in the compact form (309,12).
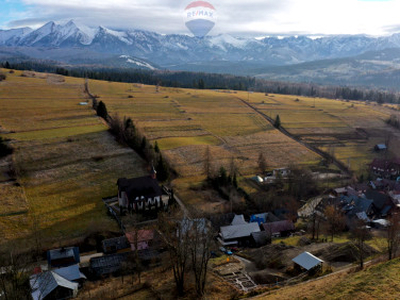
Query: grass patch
(171,143)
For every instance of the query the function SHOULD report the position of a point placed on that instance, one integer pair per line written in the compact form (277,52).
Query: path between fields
(319,152)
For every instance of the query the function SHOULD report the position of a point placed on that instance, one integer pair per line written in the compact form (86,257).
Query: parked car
(222,249)
(228,252)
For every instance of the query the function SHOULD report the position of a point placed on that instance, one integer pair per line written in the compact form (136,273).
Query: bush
(4,148)
(2,76)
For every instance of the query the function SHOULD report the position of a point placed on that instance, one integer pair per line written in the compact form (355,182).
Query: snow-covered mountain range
(181,51)
(345,59)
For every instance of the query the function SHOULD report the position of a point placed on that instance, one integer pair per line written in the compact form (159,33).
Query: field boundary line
(321,153)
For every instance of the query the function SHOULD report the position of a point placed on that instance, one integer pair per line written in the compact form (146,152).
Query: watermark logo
(200,18)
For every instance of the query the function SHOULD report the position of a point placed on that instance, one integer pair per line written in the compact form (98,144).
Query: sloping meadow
(65,160)
(184,122)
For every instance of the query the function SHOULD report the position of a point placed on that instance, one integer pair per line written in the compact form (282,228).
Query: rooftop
(141,186)
(307,261)
(239,231)
(43,284)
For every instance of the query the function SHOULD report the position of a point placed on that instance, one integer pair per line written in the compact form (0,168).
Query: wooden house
(139,194)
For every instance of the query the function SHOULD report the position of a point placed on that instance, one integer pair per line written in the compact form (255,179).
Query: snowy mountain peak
(175,51)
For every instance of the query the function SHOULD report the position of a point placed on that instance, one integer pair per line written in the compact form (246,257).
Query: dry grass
(351,128)
(184,121)
(65,158)
(376,282)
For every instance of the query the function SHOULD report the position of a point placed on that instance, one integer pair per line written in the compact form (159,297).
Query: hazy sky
(254,17)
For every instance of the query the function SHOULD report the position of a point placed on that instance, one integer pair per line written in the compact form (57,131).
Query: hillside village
(142,246)
(284,226)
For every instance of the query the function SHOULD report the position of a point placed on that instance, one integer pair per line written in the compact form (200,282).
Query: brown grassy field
(347,129)
(185,122)
(375,282)
(66,160)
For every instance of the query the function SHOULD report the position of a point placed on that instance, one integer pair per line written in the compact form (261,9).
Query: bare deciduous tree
(334,220)
(176,237)
(360,234)
(393,235)
(262,163)
(201,237)
(15,269)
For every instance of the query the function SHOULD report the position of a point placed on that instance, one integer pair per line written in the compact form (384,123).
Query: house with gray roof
(107,264)
(237,234)
(238,220)
(307,261)
(63,257)
(50,285)
(71,273)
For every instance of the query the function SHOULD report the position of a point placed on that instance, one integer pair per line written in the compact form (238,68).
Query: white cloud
(239,17)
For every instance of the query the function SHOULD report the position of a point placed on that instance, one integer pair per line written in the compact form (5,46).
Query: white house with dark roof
(138,194)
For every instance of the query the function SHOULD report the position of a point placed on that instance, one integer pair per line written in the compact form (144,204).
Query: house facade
(140,194)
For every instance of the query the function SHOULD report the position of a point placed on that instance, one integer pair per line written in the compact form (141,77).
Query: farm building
(238,220)
(260,238)
(307,261)
(63,257)
(50,285)
(237,234)
(279,228)
(116,245)
(380,147)
(139,194)
(71,273)
(108,264)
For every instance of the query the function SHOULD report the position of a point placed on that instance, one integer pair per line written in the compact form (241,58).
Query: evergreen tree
(156,148)
(234,181)
(102,110)
(143,145)
(201,84)
(162,169)
(277,123)
(223,178)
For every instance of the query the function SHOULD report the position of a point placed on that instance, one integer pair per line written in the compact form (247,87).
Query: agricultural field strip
(351,118)
(45,183)
(192,105)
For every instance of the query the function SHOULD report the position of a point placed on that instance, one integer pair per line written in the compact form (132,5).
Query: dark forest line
(183,79)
